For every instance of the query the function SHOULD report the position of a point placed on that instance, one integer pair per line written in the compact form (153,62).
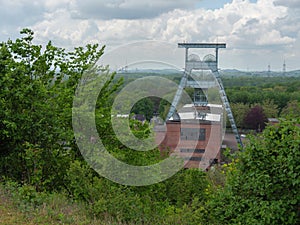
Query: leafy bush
(263,185)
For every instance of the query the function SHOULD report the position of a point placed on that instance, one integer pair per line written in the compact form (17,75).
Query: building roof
(190,112)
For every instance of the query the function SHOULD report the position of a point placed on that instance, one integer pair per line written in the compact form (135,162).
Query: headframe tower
(210,62)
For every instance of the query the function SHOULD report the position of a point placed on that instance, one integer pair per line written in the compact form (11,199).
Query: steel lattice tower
(204,65)
(284,67)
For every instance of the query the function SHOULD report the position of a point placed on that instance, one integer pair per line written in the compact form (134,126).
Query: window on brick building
(190,150)
(193,158)
(202,134)
(193,134)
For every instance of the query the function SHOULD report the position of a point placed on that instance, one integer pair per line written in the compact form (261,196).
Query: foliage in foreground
(24,205)
(37,88)
(263,185)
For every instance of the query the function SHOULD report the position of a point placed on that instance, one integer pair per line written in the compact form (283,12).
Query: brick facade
(197,141)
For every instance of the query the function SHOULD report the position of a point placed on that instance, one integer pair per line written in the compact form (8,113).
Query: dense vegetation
(275,96)
(40,163)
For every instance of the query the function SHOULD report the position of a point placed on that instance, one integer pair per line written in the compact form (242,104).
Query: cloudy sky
(257,32)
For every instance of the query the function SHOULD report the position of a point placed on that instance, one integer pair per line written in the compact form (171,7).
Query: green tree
(37,88)
(240,110)
(270,109)
(292,109)
(144,107)
(263,184)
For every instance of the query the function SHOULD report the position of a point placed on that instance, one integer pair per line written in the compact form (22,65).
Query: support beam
(201,45)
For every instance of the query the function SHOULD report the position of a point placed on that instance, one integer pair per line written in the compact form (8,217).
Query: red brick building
(195,133)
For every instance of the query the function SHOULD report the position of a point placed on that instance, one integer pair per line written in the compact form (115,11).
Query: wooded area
(39,157)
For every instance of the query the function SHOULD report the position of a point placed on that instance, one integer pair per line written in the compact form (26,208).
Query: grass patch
(23,205)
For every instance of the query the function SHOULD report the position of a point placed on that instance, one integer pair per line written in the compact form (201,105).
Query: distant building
(273,121)
(195,133)
(139,117)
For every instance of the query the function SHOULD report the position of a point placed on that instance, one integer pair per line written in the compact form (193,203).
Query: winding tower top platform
(204,65)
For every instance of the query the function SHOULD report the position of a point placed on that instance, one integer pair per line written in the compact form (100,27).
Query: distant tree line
(266,97)
(253,99)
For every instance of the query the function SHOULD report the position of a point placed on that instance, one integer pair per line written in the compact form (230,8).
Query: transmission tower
(284,67)
(211,63)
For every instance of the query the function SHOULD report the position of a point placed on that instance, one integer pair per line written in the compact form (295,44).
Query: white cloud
(20,12)
(64,31)
(274,37)
(127,9)
(249,29)
(288,3)
(55,4)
